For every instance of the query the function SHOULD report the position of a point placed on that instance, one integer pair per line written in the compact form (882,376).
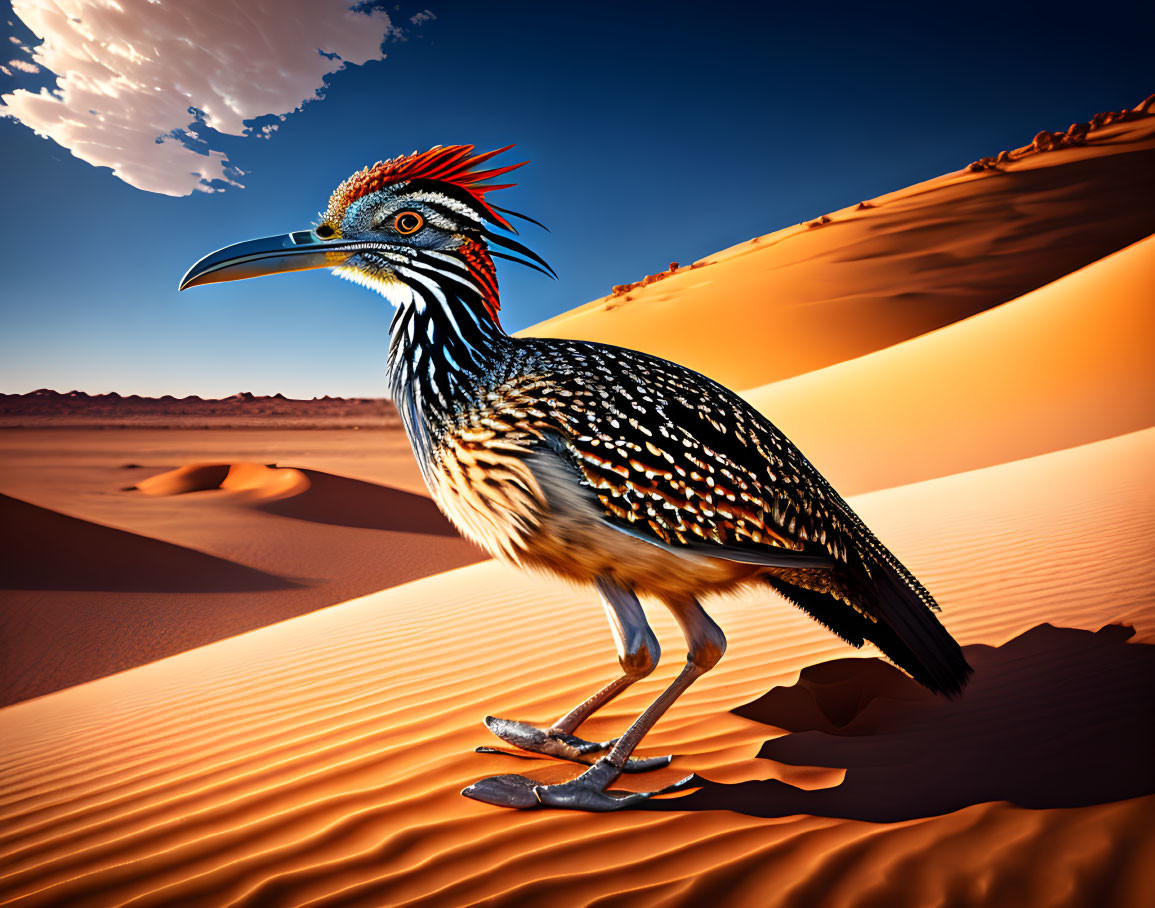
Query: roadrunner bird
(602,465)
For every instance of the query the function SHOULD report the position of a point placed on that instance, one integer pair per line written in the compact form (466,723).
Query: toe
(538,740)
(505,791)
(647,764)
(589,791)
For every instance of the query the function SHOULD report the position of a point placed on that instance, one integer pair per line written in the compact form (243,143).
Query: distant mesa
(1075,134)
(45,406)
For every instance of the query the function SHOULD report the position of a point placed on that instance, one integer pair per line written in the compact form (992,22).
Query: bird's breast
(482,483)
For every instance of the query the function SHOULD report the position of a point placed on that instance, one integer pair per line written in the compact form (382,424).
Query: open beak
(300,251)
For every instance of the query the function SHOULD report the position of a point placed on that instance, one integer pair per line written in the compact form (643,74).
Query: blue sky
(656,132)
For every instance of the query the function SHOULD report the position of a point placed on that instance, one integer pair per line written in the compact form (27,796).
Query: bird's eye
(408,223)
(324,231)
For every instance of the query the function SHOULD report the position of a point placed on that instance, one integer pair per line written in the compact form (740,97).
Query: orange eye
(408,223)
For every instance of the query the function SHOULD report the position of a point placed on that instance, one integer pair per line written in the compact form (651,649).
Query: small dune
(306,495)
(253,481)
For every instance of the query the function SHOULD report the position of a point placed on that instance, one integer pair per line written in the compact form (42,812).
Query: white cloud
(129,70)
(24,66)
(422,17)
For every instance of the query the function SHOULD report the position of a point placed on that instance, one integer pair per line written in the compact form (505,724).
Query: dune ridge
(877,273)
(318,761)
(1064,365)
(254,481)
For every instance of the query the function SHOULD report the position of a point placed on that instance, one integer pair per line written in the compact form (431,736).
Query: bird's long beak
(298,251)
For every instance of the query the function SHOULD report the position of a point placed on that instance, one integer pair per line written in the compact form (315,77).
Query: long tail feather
(895,618)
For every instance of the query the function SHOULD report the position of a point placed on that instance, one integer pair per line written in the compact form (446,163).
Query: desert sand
(254,663)
(100,576)
(319,761)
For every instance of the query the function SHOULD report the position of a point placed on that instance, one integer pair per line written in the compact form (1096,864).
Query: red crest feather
(453,164)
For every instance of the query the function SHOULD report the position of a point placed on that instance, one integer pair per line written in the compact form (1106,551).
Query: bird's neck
(444,347)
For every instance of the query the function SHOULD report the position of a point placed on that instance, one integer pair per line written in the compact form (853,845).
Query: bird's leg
(589,790)
(638,653)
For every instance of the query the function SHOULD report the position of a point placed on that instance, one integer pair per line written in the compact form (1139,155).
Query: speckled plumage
(608,467)
(591,461)
(670,458)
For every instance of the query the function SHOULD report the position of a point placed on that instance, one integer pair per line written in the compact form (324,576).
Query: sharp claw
(647,764)
(563,746)
(504,753)
(682,784)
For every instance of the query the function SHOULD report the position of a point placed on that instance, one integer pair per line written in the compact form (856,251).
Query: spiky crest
(453,164)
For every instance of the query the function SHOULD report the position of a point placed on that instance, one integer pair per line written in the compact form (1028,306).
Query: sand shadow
(341,501)
(311,495)
(1056,717)
(42,549)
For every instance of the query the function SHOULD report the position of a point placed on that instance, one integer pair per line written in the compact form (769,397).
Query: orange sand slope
(319,761)
(216,550)
(920,258)
(1066,364)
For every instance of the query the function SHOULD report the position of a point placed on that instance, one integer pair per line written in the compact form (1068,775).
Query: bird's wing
(680,461)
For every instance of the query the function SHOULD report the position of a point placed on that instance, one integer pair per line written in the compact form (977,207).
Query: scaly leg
(588,791)
(638,653)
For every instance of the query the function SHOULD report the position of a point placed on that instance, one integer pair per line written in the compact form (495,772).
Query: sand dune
(306,495)
(1066,364)
(79,600)
(253,481)
(819,293)
(319,761)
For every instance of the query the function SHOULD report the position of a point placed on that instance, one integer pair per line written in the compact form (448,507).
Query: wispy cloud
(24,66)
(135,78)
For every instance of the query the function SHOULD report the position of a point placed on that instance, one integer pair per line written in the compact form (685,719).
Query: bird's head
(415,228)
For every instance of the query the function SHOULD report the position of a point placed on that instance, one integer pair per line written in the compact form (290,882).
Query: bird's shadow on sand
(1056,717)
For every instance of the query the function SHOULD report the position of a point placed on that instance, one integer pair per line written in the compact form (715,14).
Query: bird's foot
(587,792)
(562,746)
